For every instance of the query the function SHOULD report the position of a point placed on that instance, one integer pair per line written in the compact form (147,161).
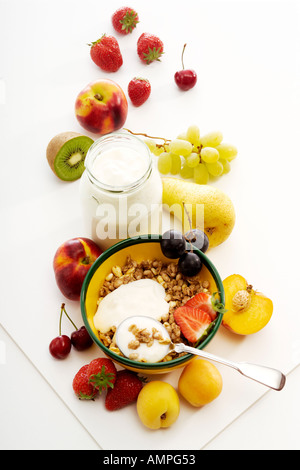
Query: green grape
(182,136)
(193,135)
(158,151)
(227,151)
(193,160)
(176,164)
(181,147)
(215,169)
(226,166)
(186,172)
(164,163)
(201,175)
(209,155)
(151,144)
(212,139)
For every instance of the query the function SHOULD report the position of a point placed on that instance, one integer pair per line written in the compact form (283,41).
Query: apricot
(158,405)
(248,311)
(200,382)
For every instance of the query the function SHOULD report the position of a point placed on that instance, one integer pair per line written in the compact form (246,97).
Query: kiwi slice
(66,153)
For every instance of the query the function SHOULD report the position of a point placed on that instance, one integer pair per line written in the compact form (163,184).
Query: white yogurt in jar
(120,190)
(144,297)
(119,166)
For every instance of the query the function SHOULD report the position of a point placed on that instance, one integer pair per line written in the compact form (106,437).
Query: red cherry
(81,339)
(185,79)
(60,347)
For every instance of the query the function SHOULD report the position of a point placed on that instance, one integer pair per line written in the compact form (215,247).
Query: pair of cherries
(80,339)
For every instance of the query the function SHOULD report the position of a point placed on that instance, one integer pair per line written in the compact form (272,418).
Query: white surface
(247,58)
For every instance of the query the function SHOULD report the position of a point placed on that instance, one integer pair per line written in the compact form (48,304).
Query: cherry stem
(63,310)
(190,240)
(146,135)
(182,55)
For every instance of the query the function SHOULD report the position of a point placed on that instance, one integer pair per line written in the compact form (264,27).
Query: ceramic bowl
(141,248)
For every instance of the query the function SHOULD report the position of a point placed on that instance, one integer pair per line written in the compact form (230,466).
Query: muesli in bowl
(134,278)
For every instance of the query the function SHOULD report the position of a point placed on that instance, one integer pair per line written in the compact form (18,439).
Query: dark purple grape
(197,238)
(173,244)
(189,264)
(81,339)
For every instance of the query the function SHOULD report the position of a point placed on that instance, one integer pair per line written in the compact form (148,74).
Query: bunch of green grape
(194,157)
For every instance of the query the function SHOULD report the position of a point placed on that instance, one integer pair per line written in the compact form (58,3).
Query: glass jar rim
(92,154)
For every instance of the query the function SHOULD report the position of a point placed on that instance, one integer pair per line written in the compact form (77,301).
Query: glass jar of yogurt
(120,190)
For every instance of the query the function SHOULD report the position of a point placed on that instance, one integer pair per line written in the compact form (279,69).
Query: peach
(248,311)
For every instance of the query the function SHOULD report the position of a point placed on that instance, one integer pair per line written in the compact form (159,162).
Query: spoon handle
(272,378)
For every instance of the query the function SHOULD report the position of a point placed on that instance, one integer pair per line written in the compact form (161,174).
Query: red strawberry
(124,20)
(139,90)
(126,389)
(149,48)
(81,386)
(192,321)
(105,52)
(206,302)
(101,373)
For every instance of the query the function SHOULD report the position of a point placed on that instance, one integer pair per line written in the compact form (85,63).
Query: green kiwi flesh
(66,154)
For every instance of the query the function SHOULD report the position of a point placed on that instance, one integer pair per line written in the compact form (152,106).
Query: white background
(246,55)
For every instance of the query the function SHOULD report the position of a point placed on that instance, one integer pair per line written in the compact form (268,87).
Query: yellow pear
(209,208)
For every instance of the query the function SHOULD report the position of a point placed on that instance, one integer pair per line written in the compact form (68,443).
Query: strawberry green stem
(102,380)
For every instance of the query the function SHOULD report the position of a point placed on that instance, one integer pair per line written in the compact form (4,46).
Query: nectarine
(71,263)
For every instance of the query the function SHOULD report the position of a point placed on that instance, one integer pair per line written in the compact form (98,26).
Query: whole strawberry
(124,20)
(81,386)
(126,389)
(105,52)
(149,48)
(139,90)
(101,374)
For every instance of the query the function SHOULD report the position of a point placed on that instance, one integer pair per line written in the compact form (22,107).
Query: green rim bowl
(140,248)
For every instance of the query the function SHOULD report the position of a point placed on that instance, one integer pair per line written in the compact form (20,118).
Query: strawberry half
(208,303)
(193,322)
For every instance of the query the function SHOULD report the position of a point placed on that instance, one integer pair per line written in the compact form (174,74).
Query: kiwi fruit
(66,153)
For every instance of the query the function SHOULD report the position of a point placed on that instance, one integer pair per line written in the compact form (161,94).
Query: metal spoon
(267,376)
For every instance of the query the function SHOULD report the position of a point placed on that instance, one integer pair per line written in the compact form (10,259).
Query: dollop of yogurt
(143,339)
(143,297)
